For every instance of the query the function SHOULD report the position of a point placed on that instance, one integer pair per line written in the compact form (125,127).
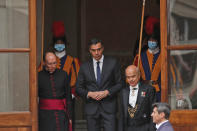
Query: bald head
(132,68)
(49,55)
(50,62)
(132,75)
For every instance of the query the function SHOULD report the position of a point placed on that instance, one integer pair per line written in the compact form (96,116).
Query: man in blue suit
(161,114)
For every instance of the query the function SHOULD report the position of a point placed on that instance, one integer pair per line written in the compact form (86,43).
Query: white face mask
(59,47)
(152,45)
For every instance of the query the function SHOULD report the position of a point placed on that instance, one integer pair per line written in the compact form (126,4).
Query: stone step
(80,125)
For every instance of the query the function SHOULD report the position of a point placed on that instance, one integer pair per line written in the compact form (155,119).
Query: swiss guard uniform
(150,61)
(150,69)
(65,61)
(71,66)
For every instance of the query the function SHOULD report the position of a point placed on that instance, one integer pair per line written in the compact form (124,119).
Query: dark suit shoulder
(146,86)
(166,127)
(111,62)
(124,90)
(110,58)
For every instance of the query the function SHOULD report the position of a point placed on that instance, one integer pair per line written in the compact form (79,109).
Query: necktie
(98,72)
(133,91)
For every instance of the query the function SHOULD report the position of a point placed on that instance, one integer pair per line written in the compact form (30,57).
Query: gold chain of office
(132,111)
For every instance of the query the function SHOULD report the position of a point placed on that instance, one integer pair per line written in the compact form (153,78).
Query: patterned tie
(98,71)
(133,91)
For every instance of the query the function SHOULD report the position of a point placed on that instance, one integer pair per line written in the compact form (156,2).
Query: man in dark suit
(136,103)
(98,82)
(161,114)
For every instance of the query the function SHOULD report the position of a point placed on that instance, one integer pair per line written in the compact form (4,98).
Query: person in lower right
(136,103)
(160,115)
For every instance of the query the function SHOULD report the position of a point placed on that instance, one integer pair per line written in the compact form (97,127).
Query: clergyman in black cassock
(54,97)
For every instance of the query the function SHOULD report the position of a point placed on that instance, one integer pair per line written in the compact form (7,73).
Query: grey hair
(163,107)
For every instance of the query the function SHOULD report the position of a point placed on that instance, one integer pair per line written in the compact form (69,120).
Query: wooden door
(18,84)
(179,56)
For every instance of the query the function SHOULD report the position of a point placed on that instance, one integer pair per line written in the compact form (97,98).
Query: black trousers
(144,127)
(73,114)
(53,120)
(101,119)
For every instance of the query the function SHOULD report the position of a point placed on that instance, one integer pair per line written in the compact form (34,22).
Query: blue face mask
(59,47)
(152,45)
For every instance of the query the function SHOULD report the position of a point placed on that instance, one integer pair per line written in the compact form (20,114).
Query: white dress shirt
(133,95)
(100,65)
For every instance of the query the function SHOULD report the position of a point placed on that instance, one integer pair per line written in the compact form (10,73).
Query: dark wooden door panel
(184,120)
(16,129)
(183,117)
(185,128)
(24,121)
(15,119)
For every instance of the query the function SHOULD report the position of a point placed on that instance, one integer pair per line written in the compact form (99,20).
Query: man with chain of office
(136,103)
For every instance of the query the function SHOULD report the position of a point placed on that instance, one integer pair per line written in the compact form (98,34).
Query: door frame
(27,120)
(180,119)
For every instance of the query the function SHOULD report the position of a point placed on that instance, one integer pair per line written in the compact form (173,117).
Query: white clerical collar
(101,60)
(155,51)
(60,54)
(158,125)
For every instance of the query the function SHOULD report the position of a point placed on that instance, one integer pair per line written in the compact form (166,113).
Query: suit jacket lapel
(104,70)
(91,68)
(126,100)
(139,98)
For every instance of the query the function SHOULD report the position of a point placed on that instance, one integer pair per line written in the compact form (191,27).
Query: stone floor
(80,125)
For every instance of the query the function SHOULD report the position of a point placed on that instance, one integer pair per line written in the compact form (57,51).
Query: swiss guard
(150,59)
(64,61)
